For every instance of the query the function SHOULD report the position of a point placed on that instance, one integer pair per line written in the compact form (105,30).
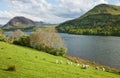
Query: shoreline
(90,35)
(93,64)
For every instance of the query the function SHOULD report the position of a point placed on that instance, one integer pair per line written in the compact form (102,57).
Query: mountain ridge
(96,21)
(104,8)
(18,21)
(23,23)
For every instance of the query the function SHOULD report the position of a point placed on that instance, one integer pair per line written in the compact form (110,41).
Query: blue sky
(3,6)
(52,11)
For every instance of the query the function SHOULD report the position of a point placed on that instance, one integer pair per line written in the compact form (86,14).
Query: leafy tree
(1,32)
(23,40)
(2,36)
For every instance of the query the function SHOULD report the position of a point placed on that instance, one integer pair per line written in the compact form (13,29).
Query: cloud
(42,10)
(75,8)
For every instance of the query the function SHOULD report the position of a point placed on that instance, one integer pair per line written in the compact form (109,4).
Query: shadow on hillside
(3,69)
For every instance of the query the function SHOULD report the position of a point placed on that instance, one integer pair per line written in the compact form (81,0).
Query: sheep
(61,61)
(83,66)
(103,69)
(68,62)
(57,61)
(71,63)
(97,68)
(87,66)
(78,65)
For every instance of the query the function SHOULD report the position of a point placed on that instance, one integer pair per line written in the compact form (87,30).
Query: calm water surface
(101,49)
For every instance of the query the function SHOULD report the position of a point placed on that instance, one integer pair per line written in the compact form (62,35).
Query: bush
(5,39)
(2,37)
(1,31)
(23,40)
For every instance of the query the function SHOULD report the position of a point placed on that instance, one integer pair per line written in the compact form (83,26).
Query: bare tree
(17,33)
(47,37)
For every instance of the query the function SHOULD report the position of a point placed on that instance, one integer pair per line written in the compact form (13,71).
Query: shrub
(2,37)
(1,31)
(23,40)
(5,39)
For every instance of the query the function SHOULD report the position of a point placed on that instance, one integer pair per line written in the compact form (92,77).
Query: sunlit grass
(30,63)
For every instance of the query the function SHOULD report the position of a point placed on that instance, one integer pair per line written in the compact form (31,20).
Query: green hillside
(30,63)
(103,19)
(104,8)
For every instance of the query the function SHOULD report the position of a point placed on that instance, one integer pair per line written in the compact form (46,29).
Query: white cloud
(76,7)
(42,10)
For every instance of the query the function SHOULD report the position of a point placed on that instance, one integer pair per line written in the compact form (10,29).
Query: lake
(100,49)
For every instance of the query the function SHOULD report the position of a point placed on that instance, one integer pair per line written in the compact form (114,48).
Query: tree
(23,40)
(16,34)
(47,40)
(1,32)
(2,37)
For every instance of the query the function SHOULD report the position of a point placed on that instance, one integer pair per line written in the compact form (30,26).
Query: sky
(50,11)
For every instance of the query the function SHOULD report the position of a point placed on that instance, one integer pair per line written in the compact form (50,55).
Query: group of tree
(47,40)
(103,31)
(96,24)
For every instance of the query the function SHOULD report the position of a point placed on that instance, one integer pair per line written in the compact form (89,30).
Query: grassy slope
(34,64)
(103,8)
(97,10)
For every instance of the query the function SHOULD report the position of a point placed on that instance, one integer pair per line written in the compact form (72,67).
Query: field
(30,63)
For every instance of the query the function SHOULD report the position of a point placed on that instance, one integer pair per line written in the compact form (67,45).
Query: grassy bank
(30,63)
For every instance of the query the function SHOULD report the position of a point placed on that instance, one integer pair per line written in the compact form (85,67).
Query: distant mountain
(43,24)
(97,21)
(19,22)
(23,23)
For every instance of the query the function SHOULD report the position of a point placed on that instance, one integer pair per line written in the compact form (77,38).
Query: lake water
(100,49)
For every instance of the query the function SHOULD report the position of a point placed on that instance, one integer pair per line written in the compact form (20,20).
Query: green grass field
(30,63)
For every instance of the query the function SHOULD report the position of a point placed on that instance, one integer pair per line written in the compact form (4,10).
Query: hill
(30,63)
(103,19)
(19,22)
(104,9)
(43,24)
(23,23)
